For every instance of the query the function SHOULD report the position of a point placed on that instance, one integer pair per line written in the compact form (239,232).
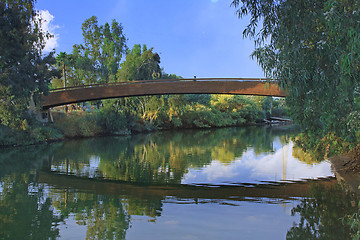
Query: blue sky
(193,37)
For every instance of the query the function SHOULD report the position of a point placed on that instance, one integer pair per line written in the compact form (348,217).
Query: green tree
(24,69)
(238,107)
(169,76)
(141,63)
(98,58)
(313,49)
(66,63)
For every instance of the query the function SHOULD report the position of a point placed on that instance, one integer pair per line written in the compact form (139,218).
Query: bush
(46,133)
(353,126)
(78,124)
(9,137)
(112,122)
(278,112)
(322,148)
(176,122)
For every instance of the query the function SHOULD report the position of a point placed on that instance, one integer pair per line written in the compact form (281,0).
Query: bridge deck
(238,86)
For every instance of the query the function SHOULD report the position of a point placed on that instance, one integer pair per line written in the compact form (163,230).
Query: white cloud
(218,170)
(48,26)
(251,167)
(283,162)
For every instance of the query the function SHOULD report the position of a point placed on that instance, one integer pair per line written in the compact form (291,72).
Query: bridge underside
(161,87)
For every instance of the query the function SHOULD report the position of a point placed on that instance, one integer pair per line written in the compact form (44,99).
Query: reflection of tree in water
(106,217)
(321,216)
(164,157)
(21,159)
(26,210)
(25,213)
(306,157)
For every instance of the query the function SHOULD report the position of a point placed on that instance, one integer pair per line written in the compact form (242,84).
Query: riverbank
(81,124)
(347,168)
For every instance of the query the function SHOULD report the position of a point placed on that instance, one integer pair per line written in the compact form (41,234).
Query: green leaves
(141,63)
(313,49)
(24,69)
(97,60)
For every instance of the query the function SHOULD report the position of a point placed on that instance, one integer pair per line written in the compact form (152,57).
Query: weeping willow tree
(312,47)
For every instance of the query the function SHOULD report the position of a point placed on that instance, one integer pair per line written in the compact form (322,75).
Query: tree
(169,76)
(24,70)
(141,63)
(65,63)
(100,54)
(313,49)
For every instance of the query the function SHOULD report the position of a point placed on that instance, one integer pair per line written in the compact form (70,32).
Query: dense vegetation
(123,116)
(312,48)
(24,70)
(102,57)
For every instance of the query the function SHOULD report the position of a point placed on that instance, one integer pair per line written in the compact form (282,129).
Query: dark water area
(231,183)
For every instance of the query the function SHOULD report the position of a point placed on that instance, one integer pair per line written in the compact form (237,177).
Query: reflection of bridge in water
(236,86)
(239,192)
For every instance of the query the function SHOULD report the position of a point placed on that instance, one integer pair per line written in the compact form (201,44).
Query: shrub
(46,133)
(112,122)
(78,124)
(353,125)
(321,148)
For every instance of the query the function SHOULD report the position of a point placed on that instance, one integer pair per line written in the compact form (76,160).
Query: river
(230,183)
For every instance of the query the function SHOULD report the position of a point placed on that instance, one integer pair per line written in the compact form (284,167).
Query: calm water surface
(233,183)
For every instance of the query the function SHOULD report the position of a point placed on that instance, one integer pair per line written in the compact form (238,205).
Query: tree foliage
(313,49)
(98,58)
(24,69)
(141,63)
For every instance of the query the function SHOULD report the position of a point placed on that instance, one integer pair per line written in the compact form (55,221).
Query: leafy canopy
(98,58)
(313,49)
(24,69)
(141,63)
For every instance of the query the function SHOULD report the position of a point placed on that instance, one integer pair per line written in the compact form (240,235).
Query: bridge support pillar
(46,116)
(40,115)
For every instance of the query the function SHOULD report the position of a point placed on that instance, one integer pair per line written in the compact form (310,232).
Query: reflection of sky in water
(252,168)
(209,221)
(213,221)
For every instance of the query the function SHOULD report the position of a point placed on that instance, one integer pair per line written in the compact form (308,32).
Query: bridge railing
(158,80)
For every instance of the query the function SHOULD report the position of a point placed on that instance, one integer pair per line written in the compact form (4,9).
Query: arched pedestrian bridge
(238,86)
